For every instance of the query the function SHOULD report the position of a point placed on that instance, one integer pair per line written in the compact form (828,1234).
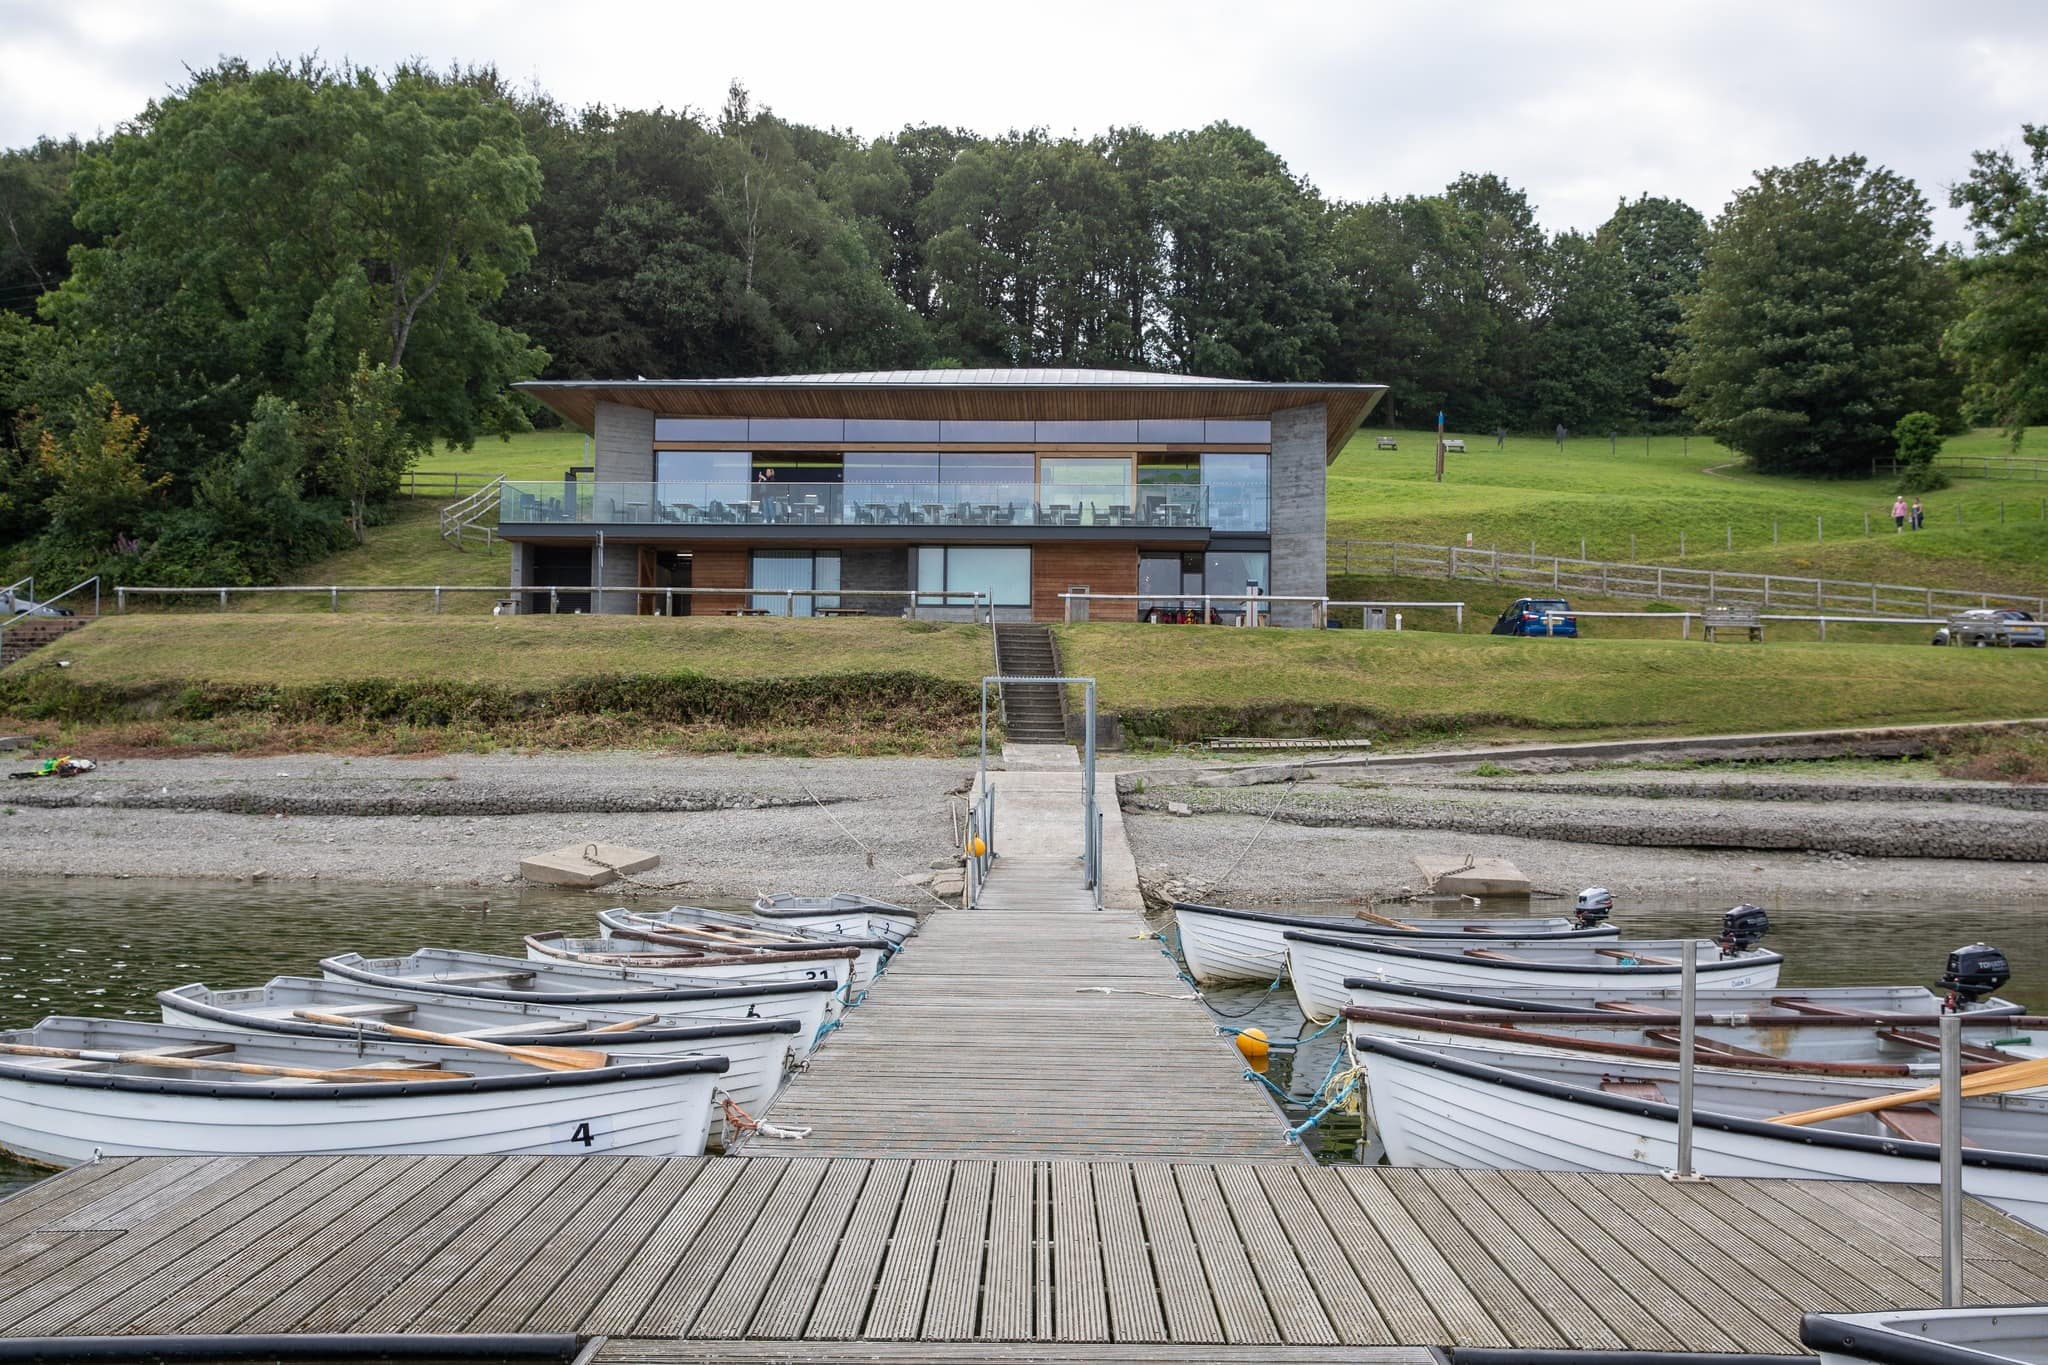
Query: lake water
(91,946)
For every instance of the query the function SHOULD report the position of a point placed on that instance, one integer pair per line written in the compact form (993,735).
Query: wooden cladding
(1101,568)
(719,567)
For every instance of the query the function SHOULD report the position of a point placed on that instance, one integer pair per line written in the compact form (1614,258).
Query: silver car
(1986,626)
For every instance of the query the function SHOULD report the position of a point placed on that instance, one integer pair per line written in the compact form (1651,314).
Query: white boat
(695,931)
(758,1052)
(1223,945)
(1930,1336)
(693,968)
(582,986)
(1902,1003)
(842,912)
(1480,1108)
(1873,1047)
(1318,965)
(134,1088)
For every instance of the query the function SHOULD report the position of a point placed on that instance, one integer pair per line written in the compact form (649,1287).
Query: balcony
(1175,506)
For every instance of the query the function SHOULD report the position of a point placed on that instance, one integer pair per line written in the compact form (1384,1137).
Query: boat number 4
(591,1135)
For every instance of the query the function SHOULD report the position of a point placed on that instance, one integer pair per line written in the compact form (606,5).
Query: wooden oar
(1999,1080)
(628,1025)
(358,1074)
(547,1058)
(1387,920)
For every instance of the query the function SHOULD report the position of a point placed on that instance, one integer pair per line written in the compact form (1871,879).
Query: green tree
(1818,319)
(36,229)
(1500,229)
(1585,361)
(2002,337)
(259,228)
(99,487)
(1918,435)
(1411,310)
(1661,244)
(366,448)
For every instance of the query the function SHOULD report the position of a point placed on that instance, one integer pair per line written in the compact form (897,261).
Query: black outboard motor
(1973,973)
(1743,928)
(1594,905)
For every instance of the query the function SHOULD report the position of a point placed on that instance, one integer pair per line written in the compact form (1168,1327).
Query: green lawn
(1633,505)
(529,455)
(511,651)
(1195,681)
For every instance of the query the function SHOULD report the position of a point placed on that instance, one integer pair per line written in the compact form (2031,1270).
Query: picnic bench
(746,611)
(1456,443)
(842,611)
(1388,443)
(1734,618)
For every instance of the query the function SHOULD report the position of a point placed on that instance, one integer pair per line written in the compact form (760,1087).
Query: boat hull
(1437,1115)
(1222,945)
(843,912)
(1906,1002)
(1319,971)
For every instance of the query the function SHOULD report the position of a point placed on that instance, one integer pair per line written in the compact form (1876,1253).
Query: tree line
(225,328)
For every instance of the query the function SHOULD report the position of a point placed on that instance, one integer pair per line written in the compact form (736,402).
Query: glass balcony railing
(1226,507)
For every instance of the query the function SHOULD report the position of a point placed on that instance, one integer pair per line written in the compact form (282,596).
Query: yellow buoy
(976,846)
(1252,1043)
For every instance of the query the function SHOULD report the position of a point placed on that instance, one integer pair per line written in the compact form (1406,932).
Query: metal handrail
(1091,848)
(81,585)
(1459,607)
(1252,603)
(466,514)
(976,600)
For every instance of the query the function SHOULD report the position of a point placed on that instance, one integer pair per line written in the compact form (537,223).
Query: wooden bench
(1455,443)
(1387,443)
(1734,618)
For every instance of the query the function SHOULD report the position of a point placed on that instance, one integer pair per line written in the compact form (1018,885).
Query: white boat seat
(1928,1042)
(466,978)
(521,1030)
(1635,1090)
(1915,1125)
(366,1010)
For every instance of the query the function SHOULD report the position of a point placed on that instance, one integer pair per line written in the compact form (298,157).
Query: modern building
(1022,484)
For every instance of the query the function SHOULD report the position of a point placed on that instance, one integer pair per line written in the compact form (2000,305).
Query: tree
(2002,337)
(1411,310)
(99,488)
(1585,362)
(1919,440)
(259,228)
(365,444)
(1661,244)
(36,231)
(1818,319)
(1500,229)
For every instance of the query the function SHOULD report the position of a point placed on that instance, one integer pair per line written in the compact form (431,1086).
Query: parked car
(11,605)
(1527,617)
(1985,626)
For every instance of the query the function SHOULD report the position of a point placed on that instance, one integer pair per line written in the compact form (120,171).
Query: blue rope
(1282,1045)
(1278,1093)
(1328,1076)
(1294,1133)
(824,1029)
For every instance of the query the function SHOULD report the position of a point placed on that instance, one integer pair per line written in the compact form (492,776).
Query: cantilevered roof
(965,395)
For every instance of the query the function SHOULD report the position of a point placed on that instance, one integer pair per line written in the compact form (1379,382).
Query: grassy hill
(1635,502)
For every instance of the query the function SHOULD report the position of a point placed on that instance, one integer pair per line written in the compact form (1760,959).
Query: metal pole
(1088,776)
(1688,1006)
(984,732)
(1951,1161)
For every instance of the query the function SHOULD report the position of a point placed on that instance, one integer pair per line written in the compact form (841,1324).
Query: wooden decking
(1033,1027)
(1140,1254)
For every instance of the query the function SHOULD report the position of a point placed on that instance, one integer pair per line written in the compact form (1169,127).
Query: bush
(1921,478)
(1919,437)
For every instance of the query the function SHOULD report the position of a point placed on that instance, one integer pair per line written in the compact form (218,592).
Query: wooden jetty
(1035,1026)
(975,1259)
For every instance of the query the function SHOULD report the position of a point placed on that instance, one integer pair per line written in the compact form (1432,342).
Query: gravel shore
(734,826)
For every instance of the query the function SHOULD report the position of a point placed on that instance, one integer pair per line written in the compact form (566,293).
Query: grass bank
(1672,500)
(264,682)
(1176,684)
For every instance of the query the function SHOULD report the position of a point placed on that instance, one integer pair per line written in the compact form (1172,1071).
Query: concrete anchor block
(586,864)
(1468,875)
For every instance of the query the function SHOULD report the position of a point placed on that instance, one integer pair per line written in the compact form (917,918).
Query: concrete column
(623,452)
(1300,565)
(519,574)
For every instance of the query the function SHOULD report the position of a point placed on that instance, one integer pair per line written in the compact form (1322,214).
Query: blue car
(1538,616)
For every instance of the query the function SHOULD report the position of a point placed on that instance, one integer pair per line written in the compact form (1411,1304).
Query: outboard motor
(1743,928)
(1594,905)
(1973,973)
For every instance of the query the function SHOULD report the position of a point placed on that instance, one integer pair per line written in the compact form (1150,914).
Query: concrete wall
(623,453)
(1300,564)
(520,570)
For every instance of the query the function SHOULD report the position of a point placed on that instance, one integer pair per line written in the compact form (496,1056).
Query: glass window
(889,429)
(778,571)
(1239,433)
(700,428)
(1235,487)
(1170,431)
(698,478)
(796,429)
(1088,433)
(986,476)
(1002,574)
(1179,467)
(896,479)
(1228,571)
(1084,489)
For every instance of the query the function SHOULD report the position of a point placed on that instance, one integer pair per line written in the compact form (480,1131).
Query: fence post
(1681,544)
(1660,582)
(1685,625)
(554,602)
(1930,601)
(121,600)
(1817,537)
(1774,530)
(1823,630)
(437,599)
(223,599)
(1582,547)
(334,599)
(1553,571)
(1710,585)
(788,603)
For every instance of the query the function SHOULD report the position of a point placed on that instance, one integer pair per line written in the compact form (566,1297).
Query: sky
(1580,103)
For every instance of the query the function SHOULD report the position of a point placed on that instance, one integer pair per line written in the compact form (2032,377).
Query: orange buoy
(1252,1043)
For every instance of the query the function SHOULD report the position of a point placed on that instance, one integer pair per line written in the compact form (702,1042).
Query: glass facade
(1002,572)
(775,572)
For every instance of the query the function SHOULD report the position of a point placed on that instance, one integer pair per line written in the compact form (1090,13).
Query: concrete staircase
(1033,713)
(27,636)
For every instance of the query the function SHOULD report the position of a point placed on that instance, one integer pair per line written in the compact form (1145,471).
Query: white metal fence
(1660,582)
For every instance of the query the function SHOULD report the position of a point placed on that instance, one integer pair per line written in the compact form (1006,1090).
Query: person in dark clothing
(1560,435)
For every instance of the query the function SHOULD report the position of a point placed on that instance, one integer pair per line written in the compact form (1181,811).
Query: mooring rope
(841,826)
(1257,834)
(590,856)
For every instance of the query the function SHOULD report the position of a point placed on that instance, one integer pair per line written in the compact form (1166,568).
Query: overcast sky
(1578,102)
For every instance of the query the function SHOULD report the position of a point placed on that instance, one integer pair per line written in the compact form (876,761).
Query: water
(106,947)
(1830,942)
